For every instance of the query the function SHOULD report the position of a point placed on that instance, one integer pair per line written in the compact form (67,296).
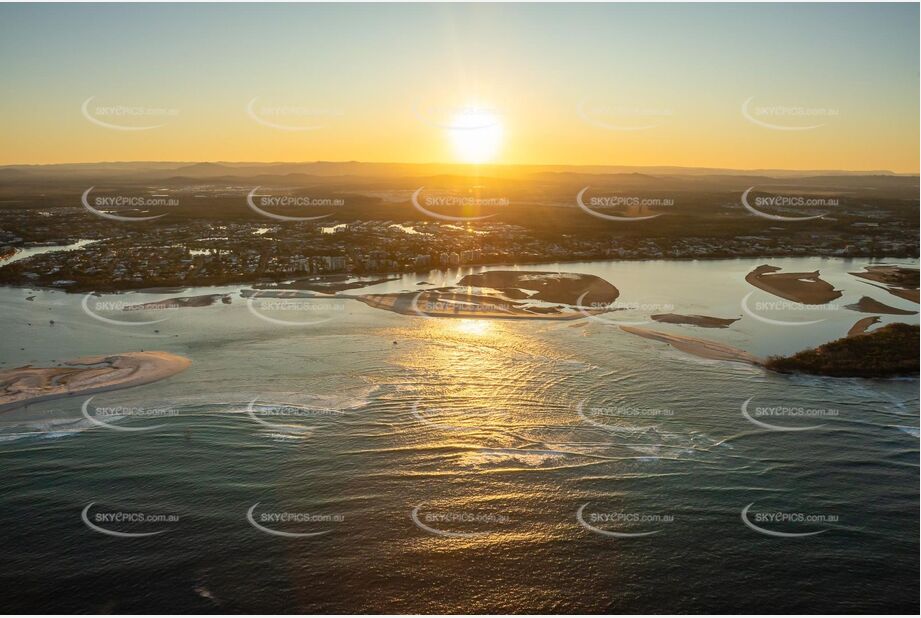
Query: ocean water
(339,458)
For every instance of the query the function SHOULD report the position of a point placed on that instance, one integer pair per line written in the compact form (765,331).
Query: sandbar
(704,321)
(551,287)
(205,300)
(870,305)
(861,325)
(805,288)
(897,280)
(505,294)
(698,347)
(436,304)
(89,374)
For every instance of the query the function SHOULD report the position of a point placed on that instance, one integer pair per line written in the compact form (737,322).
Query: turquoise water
(461,465)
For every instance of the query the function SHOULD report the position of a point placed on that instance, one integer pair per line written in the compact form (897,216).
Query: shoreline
(398,275)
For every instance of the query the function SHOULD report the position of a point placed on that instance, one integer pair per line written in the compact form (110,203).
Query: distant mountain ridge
(205,169)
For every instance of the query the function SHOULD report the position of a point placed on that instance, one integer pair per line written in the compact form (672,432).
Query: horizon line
(473,165)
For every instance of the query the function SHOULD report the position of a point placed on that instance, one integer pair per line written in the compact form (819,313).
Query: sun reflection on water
(477,328)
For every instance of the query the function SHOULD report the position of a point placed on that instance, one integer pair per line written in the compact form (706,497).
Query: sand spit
(805,288)
(205,300)
(861,325)
(704,321)
(897,280)
(697,347)
(89,374)
(869,305)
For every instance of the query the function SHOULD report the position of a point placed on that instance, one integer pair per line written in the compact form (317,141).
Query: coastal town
(201,252)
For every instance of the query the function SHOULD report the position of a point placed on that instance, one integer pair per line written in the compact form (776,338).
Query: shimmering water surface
(461,465)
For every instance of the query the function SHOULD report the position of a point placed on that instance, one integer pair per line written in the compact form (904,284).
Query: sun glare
(473,327)
(476,136)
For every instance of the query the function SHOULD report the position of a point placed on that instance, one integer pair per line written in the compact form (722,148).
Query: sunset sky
(733,86)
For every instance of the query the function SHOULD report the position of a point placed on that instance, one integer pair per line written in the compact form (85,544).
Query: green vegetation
(888,351)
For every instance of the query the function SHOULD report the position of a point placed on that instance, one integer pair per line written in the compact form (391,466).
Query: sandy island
(508,294)
(869,305)
(553,287)
(805,288)
(704,321)
(205,300)
(89,374)
(897,280)
(698,347)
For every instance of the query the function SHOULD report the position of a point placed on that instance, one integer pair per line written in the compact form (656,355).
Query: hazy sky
(827,86)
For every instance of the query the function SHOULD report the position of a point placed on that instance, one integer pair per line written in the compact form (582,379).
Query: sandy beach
(806,288)
(89,374)
(698,347)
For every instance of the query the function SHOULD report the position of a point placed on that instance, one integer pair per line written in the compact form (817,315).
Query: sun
(476,135)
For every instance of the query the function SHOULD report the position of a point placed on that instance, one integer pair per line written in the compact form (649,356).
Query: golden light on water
(479,328)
